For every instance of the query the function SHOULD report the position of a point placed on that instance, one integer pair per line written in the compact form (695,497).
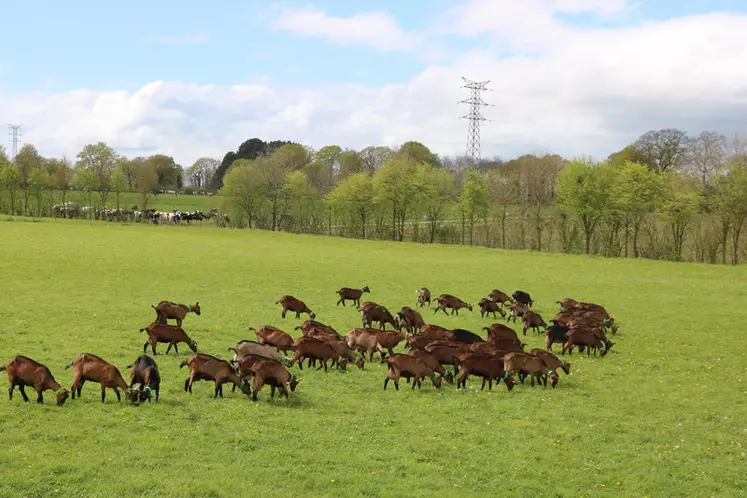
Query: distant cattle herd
(430,348)
(73,210)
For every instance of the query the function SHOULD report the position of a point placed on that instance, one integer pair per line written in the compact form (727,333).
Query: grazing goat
(364,340)
(516,310)
(314,349)
(246,347)
(372,312)
(275,375)
(453,302)
(488,367)
(500,331)
(171,334)
(526,364)
(465,336)
(434,332)
(552,361)
(145,372)
(409,319)
(310,325)
(89,367)
(487,306)
(168,310)
(424,296)
(23,371)
(499,297)
(206,367)
(348,294)
(532,321)
(273,336)
(290,303)
(403,365)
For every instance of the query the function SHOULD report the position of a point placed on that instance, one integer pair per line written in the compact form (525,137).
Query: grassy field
(664,414)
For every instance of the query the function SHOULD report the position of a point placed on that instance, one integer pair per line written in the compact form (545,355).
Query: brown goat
(206,367)
(424,296)
(489,368)
(372,312)
(453,302)
(308,347)
(273,336)
(516,310)
(552,361)
(171,334)
(532,320)
(89,367)
(290,303)
(500,331)
(487,306)
(389,340)
(409,319)
(403,365)
(348,294)
(586,338)
(417,341)
(23,371)
(499,297)
(434,332)
(310,325)
(446,354)
(432,362)
(526,364)
(168,310)
(275,375)
(145,372)
(364,340)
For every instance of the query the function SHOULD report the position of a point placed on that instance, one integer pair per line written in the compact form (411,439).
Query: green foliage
(474,200)
(661,415)
(584,192)
(730,201)
(101,160)
(243,191)
(437,191)
(396,189)
(353,200)
(28,159)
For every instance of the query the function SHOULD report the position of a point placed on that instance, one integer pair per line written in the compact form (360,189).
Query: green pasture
(664,414)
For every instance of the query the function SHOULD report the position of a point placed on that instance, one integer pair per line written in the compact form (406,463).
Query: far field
(662,415)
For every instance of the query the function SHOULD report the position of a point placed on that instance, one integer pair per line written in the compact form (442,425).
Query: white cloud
(582,92)
(376,30)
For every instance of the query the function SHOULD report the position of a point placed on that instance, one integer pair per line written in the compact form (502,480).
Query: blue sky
(297,54)
(107,45)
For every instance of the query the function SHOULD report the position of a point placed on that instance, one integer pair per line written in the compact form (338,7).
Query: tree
(168,173)
(680,203)
(584,193)
(118,183)
(706,155)
(302,200)
(291,157)
(127,167)
(350,163)
(60,172)
(242,189)
(375,157)
(11,178)
(101,160)
(663,150)
(628,154)
(730,200)
(503,187)
(437,191)
(637,191)
(38,180)
(418,153)
(395,187)
(473,201)
(251,149)
(28,159)
(146,178)
(354,196)
(85,180)
(200,174)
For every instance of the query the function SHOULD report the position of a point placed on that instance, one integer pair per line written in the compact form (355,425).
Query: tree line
(665,196)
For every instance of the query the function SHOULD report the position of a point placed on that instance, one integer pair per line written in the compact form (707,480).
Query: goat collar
(58,391)
(506,375)
(189,308)
(293,376)
(147,388)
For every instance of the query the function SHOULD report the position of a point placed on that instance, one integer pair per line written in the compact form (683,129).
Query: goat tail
(3,367)
(232,349)
(143,329)
(183,364)
(69,365)
(277,302)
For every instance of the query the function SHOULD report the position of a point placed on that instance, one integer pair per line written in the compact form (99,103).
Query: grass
(663,414)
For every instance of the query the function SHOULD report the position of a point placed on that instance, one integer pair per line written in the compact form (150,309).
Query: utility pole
(15,133)
(475,101)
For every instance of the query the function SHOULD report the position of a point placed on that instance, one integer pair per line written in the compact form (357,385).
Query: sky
(193,79)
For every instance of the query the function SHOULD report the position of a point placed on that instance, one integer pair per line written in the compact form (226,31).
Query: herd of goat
(431,348)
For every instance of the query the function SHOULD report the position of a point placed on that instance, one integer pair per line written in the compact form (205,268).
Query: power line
(474,116)
(15,132)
